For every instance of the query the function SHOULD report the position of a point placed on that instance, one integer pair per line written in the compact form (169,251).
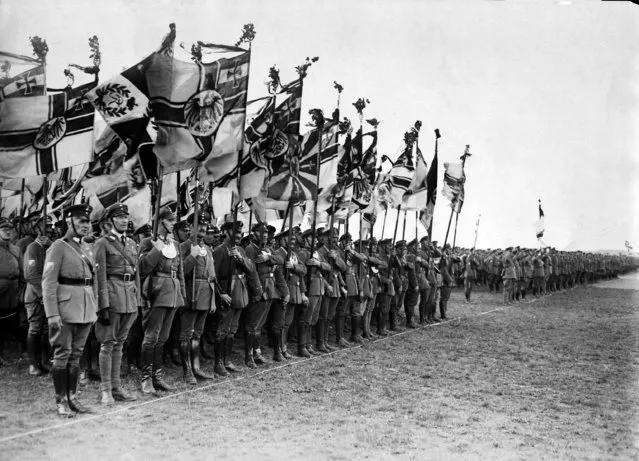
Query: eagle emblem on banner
(203,112)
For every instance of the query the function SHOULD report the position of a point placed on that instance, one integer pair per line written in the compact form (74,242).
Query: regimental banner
(29,83)
(295,179)
(454,179)
(199,110)
(398,180)
(42,134)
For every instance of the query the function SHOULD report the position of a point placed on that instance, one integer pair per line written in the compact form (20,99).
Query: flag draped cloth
(42,134)
(31,82)
(294,177)
(399,179)
(540,224)
(454,179)
(426,216)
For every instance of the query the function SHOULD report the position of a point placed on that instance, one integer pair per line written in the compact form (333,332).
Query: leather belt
(87,282)
(125,277)
(171,275)
(208,279)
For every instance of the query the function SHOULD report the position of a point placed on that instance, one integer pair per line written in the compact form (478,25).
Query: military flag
(454,179)
(296,176)
(426,216)
(199,110)
(540,224)
(398,180)
(42,134)
(30,79)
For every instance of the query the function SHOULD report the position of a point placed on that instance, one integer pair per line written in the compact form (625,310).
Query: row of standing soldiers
(137,289)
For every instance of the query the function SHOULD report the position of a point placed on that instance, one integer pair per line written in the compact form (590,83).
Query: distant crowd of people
(76,296)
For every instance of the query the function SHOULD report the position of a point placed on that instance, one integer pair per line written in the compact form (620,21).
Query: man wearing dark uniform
(161,268)
(232,267)
(400,266)
(421,269)
(69,288)
(201,285)
(116,258)
(10,274)
(374,264)
(330,300)
(386,285)
(412,293)
(33,265)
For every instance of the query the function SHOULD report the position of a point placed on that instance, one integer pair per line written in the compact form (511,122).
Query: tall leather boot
(72,388)
(146,363)
(33,347)
(187,371)
(355,336)
(116,391)
(284,344)
(381,323)
(392,320)
(106,373)
(204,352)
(277,346)
(59,376)
(339,331)
(219,347)
(195,361)
(364,333)
(158,372)
(301,340)
(248,350)
(408,310)
(326,343)
(309,341)
(228,351)
(176,353)
(319,336)
(258,358)
(369,317)
(45,362)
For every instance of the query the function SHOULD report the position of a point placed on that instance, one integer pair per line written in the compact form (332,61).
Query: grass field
(552,379)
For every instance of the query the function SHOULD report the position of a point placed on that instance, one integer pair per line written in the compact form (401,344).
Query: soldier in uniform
(10,274)
(421,269)
(69,288)
(38,333)
(435,281)
(116,258)
(374,265)
(400,266)
(538,274)
(471,266)
(274,288)
(509,275)
(386,286)
(351,284)
(232,267)
(161,269)
(201,285)
(412,292)
(330,300)
(447,281)
(316,288)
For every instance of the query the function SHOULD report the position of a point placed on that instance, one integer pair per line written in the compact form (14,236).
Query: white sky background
(545,94)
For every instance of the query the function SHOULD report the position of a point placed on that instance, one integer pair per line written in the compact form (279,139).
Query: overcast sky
(546,94)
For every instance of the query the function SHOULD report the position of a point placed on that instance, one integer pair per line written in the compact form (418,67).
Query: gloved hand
(103,317)
(55,323)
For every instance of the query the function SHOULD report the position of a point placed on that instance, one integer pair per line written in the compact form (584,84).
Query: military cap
(183,225)
(5,223)
(346,236)
(166,213)
(320,231)
(229,225)
(435,243)
(400,243)
(446,246)
(247,239)
(201,219)
(281,234)
(372,241)
(385,241)
(424,238)
(78,211)
(145,229)
(413,242)
(270,229)
(211,229)
(117,209)
(260,226)
(307,232)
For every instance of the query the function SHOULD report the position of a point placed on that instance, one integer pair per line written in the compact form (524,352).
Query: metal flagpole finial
(437,134)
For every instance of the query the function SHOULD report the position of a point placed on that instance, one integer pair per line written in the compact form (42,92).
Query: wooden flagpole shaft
(430,225)
(450,220)
(158,201)
(455,233)
(250,219)
(288,210)
(384,223)
(416,224)
(361,234)
(45,187)
(332,222)
(476,232)
(21,214)
(318,163)
(399,208)
(290,231)
(178,204)
(196,222)
(404,226)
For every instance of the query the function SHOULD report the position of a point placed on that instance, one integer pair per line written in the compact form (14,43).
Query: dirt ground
(551,379)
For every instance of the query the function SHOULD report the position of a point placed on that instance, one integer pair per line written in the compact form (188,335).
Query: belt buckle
(173,274)
(88,282)
(127,277)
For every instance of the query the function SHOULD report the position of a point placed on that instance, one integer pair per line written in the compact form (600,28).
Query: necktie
(123,240)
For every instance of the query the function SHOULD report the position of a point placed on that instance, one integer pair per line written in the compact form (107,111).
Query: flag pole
(288,210)
(196,218)
(404,226)
(158,202)
(318,162)
(290,231)
(399,209)
(476,231)
(178,205)
(416,224)
(455,233)
(339,89)
(45,187)
(430,225)
(384,223)
(450,220)
(22,200)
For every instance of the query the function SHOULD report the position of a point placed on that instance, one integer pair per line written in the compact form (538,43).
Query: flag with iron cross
(29,83)
(199,110)
(43,134)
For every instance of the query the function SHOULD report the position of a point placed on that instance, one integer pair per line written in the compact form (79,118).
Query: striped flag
(42,134)
(398,179)
(454,179)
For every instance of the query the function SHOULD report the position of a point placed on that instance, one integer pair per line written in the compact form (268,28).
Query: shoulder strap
(124,255)
(81,254)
